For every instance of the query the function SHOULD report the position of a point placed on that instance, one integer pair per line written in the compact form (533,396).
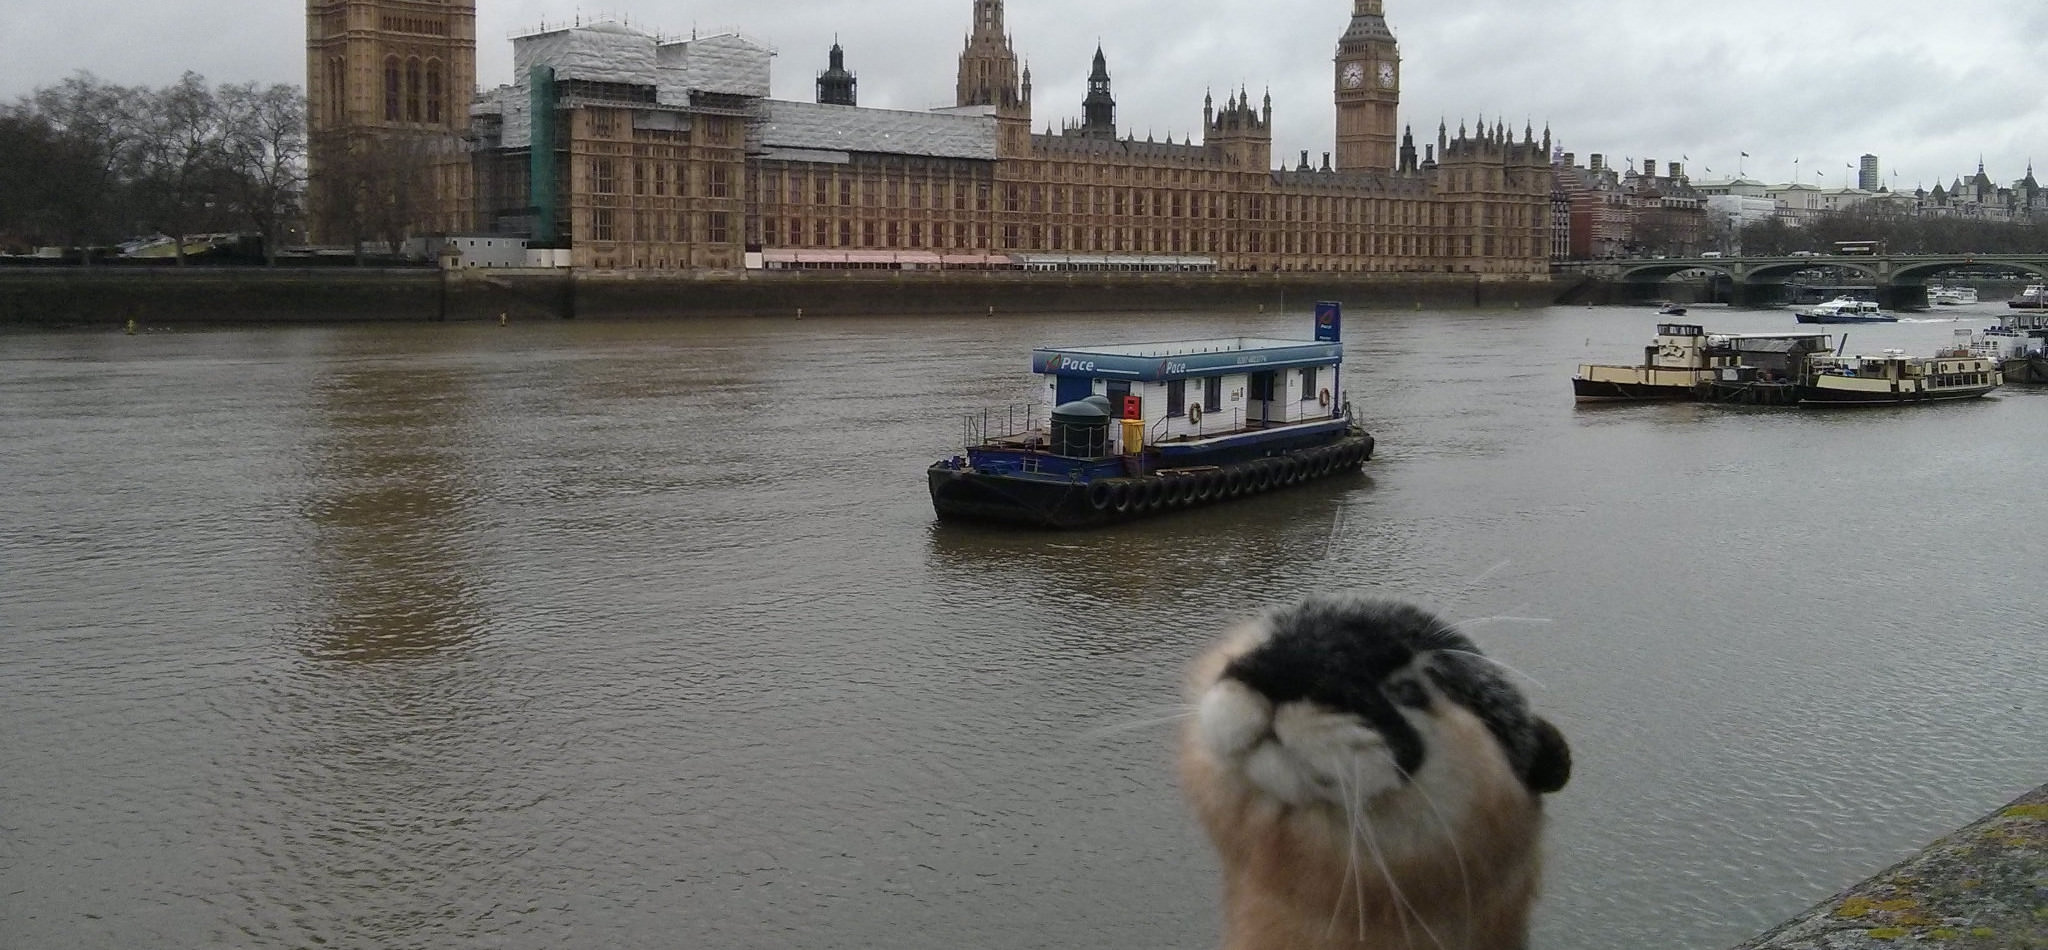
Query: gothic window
(391,90)
(434,100)
(719,226)
(720,185)
(414,86)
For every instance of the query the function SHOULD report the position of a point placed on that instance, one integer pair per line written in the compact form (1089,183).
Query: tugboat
(1137,429)
(1685,362)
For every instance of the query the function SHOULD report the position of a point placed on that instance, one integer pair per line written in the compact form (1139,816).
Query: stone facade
(389,85)
(669,156)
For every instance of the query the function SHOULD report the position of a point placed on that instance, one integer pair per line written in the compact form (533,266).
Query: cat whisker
(1465,590)
(1533,681)
(1182,714)
(1404,909)
(1450,837)
(1483,621)
(1354,813)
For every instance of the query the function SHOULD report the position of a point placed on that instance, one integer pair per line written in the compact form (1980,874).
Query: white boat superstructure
(1846,309)
(1893,378)
(1951,296)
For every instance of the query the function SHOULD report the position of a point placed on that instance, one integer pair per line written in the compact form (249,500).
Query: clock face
(1386,75)
(1354,75)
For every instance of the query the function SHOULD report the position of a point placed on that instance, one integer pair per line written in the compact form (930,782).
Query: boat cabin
(1192,390)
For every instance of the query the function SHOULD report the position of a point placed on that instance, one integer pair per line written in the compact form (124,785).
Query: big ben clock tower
(1368,91)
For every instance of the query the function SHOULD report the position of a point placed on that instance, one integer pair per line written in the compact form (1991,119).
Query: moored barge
(1137,429)
(1685,362)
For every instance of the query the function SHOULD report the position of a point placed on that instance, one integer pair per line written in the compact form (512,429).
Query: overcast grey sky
(1928,87)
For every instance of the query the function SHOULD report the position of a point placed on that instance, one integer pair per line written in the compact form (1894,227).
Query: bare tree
(101,130)
(185,172)
(265,147)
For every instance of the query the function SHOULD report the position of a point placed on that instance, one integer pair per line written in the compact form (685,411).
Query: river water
(619,635)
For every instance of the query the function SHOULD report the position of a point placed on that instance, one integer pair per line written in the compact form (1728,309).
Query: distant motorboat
(2035,297)
(1951,296)
(1669,309)
(1847,310)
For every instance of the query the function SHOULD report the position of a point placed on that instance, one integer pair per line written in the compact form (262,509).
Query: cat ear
(1551,767)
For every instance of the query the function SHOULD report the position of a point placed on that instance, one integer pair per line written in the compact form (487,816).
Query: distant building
(635,152)
(1670,215)
(1867,177)
(388,92)
(1602,219)
(836,86)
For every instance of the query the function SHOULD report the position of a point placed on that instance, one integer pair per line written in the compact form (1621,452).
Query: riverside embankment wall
(109,296)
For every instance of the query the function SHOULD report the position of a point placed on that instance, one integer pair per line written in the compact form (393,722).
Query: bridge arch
(1919,271)
(1660,271)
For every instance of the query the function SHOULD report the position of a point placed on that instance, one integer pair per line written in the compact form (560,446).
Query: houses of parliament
(619,150)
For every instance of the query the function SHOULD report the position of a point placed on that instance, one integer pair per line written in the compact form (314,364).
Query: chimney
(1326,161)
(1304,160)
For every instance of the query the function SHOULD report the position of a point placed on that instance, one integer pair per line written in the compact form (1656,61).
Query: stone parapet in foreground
(1982,888)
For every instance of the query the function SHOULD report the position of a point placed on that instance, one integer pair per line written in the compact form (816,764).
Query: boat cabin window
(1176,397)
(1212,394)
(1308,383)
(1116,391)
(1260,388)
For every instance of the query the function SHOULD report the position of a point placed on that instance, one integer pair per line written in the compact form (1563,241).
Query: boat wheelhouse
(2019,343)
(1136,428)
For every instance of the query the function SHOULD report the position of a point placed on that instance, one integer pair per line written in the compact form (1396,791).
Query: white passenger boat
(1847,310)
(1958,296)
(1892,378)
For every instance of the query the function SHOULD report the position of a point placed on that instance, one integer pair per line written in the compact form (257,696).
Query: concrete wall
(80,297)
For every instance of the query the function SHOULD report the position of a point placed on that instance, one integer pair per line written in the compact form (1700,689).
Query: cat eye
(1407,693)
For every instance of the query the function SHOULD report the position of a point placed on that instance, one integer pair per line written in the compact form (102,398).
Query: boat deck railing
(1013,423)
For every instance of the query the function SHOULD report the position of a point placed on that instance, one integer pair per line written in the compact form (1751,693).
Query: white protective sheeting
(830,128)
(600,52)
(727,63)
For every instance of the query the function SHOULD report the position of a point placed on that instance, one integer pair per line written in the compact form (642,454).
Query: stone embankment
(110,296)
(1982,888)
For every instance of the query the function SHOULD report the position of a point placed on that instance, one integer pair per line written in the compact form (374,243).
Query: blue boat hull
(1084,498)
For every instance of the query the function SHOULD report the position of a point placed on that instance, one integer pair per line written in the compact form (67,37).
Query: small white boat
(1942,296)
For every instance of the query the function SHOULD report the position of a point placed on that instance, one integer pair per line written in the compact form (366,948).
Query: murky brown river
(587,635)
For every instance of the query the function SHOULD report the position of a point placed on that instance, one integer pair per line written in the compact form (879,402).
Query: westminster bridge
(1899,280)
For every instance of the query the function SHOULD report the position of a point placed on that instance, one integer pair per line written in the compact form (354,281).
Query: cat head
(1342,699)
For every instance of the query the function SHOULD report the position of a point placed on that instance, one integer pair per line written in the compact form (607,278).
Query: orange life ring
(1323,398)
(1194,414)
